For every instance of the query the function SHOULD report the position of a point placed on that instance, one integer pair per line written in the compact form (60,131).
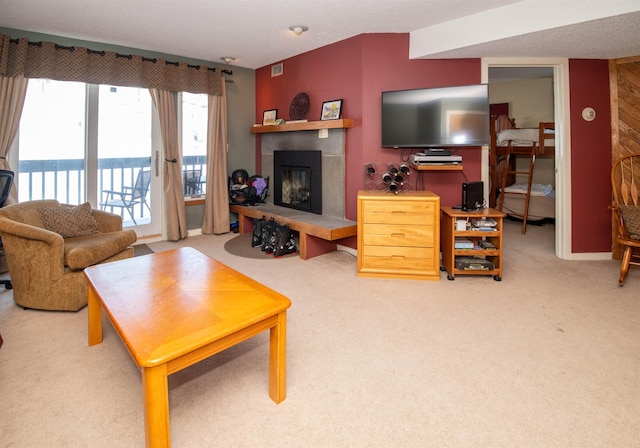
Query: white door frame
(562,145)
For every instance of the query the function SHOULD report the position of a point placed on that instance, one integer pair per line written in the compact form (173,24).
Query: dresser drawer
(398,259)
(399,212)
(398,235)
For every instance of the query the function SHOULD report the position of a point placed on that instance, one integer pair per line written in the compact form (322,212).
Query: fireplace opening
(298,180)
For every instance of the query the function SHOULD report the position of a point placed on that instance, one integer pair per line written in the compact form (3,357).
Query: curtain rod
(118,55)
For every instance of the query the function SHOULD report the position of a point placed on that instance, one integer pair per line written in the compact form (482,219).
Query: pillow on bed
(631,218)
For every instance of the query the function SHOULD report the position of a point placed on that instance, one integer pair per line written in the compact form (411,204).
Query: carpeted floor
(141,249)
(548,357)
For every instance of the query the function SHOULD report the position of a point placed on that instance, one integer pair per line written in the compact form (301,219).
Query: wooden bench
(319,234)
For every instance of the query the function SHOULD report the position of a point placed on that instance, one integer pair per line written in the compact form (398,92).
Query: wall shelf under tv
(342,123)
(452,167)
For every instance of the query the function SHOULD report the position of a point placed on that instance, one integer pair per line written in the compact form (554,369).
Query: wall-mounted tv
(436,117)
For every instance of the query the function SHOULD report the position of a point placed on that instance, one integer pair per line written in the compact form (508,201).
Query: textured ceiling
(255,32)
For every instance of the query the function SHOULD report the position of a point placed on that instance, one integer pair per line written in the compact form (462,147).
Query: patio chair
(191,182)
(131,196)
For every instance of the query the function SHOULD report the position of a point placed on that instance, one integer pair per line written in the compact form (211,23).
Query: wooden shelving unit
(449,234)
(343,123)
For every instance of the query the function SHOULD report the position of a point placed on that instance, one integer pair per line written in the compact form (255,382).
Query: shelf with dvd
(484,229)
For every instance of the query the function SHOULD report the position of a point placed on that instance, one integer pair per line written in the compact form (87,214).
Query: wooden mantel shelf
(343,123)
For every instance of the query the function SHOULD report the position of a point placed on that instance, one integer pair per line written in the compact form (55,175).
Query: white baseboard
(348,249)
(591,256)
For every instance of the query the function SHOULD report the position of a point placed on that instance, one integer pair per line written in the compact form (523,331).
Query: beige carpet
(546,358)
(141,249)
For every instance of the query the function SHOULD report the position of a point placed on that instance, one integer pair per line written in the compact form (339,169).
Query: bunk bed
(523,200)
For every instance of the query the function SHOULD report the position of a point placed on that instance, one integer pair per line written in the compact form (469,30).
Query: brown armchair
(625,178)
(48,245)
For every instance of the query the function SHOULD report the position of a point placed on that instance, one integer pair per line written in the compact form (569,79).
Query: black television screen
(436,117)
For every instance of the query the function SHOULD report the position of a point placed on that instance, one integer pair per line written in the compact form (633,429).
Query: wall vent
(276,70)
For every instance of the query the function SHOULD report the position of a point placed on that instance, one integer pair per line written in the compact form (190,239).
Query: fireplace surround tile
(333,163)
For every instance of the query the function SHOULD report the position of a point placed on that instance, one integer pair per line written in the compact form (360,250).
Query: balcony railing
(64,180)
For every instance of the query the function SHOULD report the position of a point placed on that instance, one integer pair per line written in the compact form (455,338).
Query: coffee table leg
(278,359)
(95,318)
(155,391)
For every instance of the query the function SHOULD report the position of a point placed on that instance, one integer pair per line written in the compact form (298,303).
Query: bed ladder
(518,151)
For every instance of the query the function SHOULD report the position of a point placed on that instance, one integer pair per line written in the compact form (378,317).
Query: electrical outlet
(323,133)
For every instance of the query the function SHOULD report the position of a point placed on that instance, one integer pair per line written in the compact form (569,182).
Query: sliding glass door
(127,171)
(80,142)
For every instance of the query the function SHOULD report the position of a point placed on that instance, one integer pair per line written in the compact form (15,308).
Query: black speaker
(472,196)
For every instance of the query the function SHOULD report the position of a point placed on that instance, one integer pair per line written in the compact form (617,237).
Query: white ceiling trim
(518,19)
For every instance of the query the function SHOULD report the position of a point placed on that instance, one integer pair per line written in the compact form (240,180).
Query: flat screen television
(436,117)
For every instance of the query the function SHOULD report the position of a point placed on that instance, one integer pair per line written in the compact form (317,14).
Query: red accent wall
(590,156)
(359,69)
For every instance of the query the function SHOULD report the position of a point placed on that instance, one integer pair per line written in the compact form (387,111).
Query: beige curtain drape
(216,203)
(12,94)
(174,211)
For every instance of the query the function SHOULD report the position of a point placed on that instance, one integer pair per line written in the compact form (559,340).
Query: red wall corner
(590,156)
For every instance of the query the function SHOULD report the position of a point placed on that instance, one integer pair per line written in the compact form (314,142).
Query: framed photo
(269,117)
(331,110)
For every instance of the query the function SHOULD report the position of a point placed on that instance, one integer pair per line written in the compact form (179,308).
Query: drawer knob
(398,235)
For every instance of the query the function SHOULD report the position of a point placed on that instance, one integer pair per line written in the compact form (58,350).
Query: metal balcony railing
(64,180)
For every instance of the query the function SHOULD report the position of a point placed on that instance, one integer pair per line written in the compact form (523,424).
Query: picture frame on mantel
(269,117)
(331,110)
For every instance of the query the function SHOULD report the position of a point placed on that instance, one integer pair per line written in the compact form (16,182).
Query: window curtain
(216,202)
(13,90)
(20,57)
(175,214)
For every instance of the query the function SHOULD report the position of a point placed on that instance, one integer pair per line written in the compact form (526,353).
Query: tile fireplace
(332,153)
(297,180)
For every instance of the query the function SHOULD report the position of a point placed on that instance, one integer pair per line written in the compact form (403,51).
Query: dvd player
(417,159)
(434,152)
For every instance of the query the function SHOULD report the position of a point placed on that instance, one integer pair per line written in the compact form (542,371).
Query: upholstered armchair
(48,245)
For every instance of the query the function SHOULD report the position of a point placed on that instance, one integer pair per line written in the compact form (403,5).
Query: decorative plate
(299,107)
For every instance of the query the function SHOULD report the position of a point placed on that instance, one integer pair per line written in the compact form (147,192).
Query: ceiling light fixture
(228,59)
(298,29)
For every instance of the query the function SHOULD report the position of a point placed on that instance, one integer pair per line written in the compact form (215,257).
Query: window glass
(194,142)
(52,141)
(124,152)
(124,127)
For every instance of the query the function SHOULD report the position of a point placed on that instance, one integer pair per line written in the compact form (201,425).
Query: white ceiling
(255,32)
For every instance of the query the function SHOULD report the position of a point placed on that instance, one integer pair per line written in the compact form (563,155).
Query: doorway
(558,67)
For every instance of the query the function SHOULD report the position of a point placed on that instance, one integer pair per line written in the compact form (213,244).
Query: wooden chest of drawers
(399,235)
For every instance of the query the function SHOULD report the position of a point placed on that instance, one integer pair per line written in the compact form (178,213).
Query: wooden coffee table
(173,309)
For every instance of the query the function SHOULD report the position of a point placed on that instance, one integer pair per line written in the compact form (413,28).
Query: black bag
(268,236)
(256,237)
(242,194)
(244,190)
(284,241)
